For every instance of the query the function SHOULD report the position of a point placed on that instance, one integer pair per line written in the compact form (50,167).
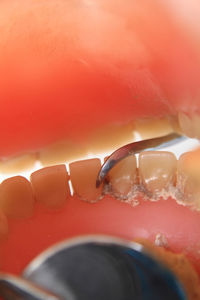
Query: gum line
(50,186)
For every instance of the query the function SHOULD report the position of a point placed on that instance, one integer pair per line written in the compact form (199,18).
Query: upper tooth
(61,152)
(157,170)
(190,125)
(150,128)
(18,164)
(196,125)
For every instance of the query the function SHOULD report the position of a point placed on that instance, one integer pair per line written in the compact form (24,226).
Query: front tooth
(123,176)
(190,125)
(187,185)
(83,176)
(50,186)
(16,197)
(186,124)
(18,164)
(61,152)
(157,170)
(150,128)
(196,125)
(107,138)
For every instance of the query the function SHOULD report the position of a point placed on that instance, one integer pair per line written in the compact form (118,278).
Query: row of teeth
(103,140)
(158,173)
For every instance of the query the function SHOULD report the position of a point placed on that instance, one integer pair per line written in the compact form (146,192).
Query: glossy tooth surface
(111,137)
(157,170)
(50,186)
(61,152)
(150,128)
(18,164)
(187,185)
(123,176)
(16,197)
(3,226)
(83,176)
(190,124)
(192,165)
(196,125)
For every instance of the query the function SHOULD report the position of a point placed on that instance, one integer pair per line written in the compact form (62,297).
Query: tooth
(16,197)
(186,125)
(174,121)
(83,176)
(157,170)
(196,125)
(50,186)
(61,152)
(192,164)
(123,176)
(3,226)
(150,128)
(110,137)
(18,164)
(187,184)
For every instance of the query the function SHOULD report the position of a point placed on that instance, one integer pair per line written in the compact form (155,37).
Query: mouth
(73,92)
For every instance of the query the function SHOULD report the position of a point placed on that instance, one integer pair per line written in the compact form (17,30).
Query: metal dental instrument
(93,267)
(134,148)
(14,288)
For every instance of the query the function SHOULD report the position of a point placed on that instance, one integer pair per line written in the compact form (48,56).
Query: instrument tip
(98,183)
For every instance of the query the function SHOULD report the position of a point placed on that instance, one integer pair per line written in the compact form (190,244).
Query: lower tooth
(50,186)
(16,197)
(157,171)
(187,185)
(123,176)
(83,176)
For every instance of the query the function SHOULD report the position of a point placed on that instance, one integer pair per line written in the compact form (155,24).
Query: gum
(37,116)
(108,216)
(45,64)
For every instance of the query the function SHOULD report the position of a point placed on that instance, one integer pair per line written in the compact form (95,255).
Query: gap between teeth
(80,177)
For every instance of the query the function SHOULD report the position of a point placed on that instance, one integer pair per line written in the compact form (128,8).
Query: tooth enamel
(111,137)
(83,176)
(186,125)
(196,125)
(157,170)
(61,152)
(50,186)
(16,197)
(150,128)
(174,121)
(187,185)
(123,176)
(192,165)
(18,164)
